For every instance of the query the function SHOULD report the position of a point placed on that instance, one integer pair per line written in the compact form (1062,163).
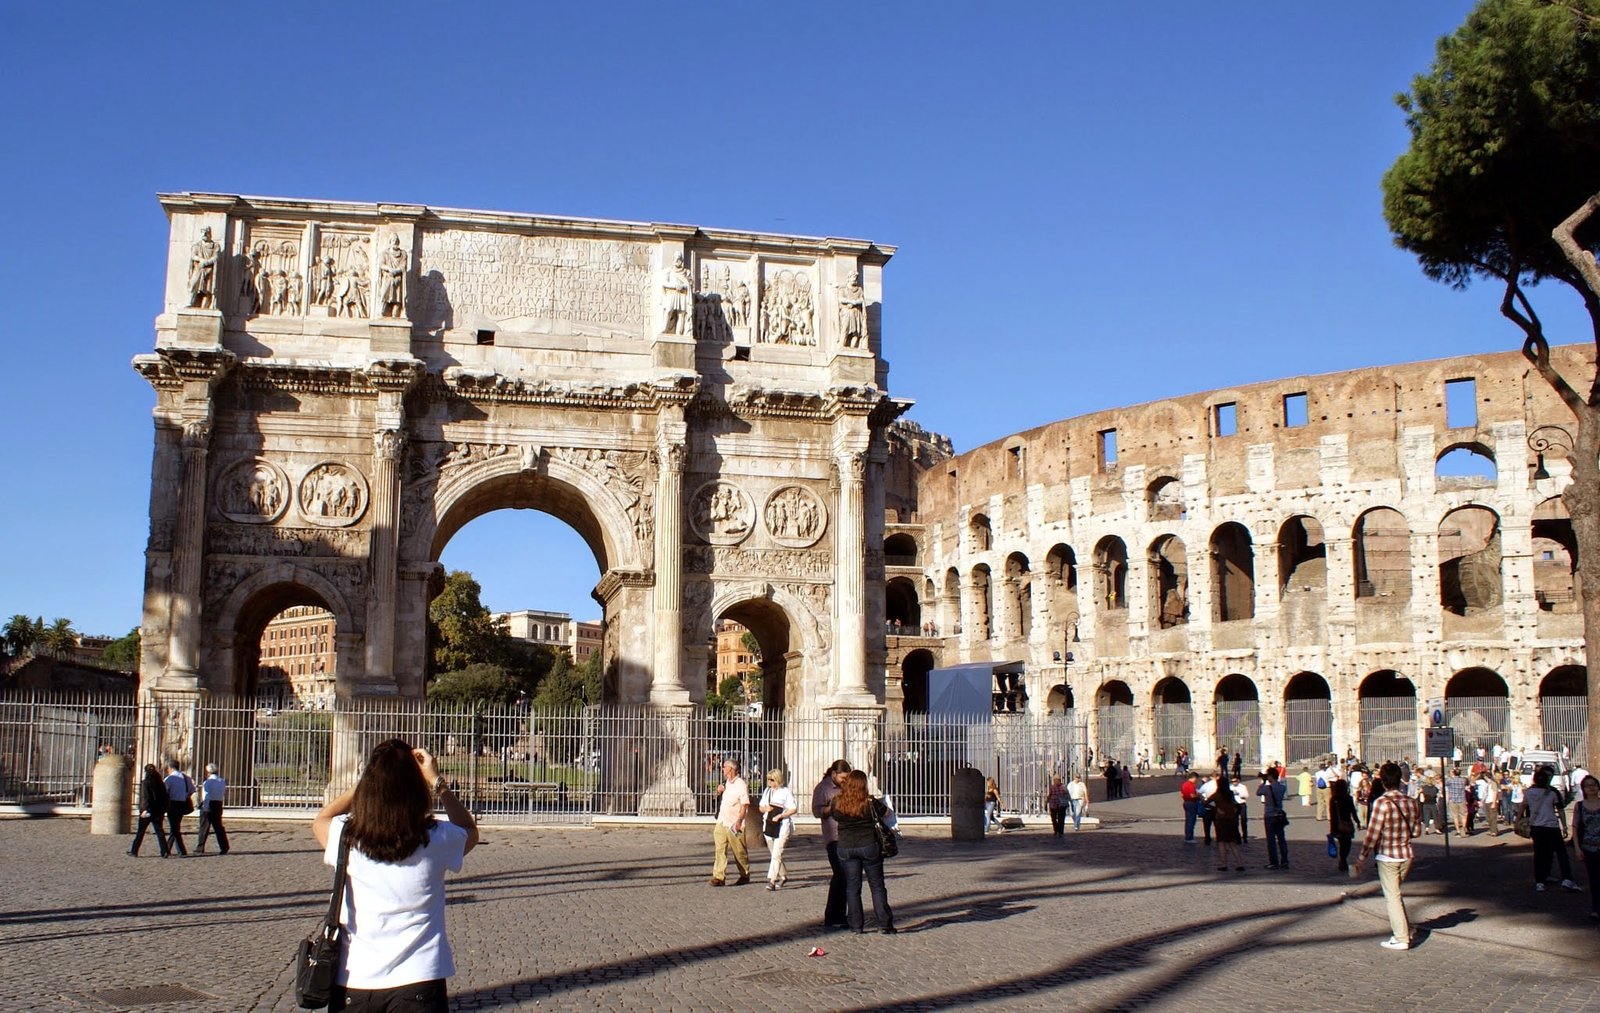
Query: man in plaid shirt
(1396,818)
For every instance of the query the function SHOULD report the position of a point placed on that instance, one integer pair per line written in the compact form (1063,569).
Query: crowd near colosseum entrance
(1280,570)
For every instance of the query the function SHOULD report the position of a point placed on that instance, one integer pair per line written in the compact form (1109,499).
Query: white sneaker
(1567,884)
(1395,944)
(1539,887)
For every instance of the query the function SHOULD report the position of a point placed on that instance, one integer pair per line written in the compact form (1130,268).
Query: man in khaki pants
(1396,819)
(728,835)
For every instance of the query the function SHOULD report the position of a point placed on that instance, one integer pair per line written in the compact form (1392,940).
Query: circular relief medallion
(252,491)
(721,513)
(795,517)
(333,495)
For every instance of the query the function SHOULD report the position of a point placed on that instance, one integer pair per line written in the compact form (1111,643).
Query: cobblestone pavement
(1122,917)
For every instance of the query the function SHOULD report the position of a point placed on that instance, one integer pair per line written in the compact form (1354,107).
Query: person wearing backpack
(1586,832)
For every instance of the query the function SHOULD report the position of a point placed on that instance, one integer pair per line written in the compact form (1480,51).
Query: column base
(667,793)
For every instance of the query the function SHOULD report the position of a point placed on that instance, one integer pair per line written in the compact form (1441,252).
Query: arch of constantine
(1282,569)
(340,387)
(1285,568)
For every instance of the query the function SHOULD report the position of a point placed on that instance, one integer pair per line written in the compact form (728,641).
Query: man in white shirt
(728,834)
(212,791)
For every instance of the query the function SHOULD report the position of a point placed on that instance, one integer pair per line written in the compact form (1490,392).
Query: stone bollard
(112,811)
(966,805)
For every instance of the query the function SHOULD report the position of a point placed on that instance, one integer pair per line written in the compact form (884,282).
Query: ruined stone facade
(340,387)
(1290,566)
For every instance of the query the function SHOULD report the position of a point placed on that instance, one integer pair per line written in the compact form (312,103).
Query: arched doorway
(769,626)
(1113,705)
(914,681)
(1059,700)
(901,609)
(1388,703)
(1564,711)
(1111,575)
(1307,719)
(1238,727)
(1169,582)
(1469,561)
(1172,714)
(982,603)
(1477,706)
(1233,578)
(900,549)
(1381,545)
(1019,591)
(1555,558)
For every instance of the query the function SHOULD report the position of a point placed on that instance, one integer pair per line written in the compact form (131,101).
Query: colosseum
(1285,568)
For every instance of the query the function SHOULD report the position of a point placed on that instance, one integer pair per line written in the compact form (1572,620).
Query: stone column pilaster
(387,447)
(188,551)
(666,683)
(850,682)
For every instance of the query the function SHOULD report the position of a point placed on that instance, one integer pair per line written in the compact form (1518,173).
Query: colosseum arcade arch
(1381,543)
(1169,582)
(1477,705)
(1389,725)
(901,609)
(914,671)
(245,613)
(1307,720)
(1555,568)
(1114,723)
(1564,711)
(1018,597)
(616,375)
(1469,568)
(1233,577)
(1172,718)
(1238,727)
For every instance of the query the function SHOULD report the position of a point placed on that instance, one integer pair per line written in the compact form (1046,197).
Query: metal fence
(1174,728)
(1116,738)
(1388,728)
(1564,723)
(1308,731)
(1239,727)
(516,765)
(1480,722)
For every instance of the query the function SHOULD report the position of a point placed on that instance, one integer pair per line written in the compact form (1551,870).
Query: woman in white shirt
(396,954)
(777,824)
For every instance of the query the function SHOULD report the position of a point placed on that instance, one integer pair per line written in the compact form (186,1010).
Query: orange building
(298,656)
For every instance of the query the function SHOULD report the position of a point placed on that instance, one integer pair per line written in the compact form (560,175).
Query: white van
(1533,759)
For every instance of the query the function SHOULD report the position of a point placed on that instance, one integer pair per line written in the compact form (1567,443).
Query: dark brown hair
(392,810)
(852,799)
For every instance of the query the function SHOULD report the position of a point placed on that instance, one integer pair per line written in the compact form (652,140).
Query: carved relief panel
(795,517)
(341,277)
(724,306)
(624,473)
(721,513)
(272,281)
(788,304)
(252,491)
(333,495)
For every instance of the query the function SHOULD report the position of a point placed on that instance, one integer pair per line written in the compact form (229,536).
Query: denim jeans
(1077,807)
(1191,812)
(1277,843)
(991,815)
(868,861)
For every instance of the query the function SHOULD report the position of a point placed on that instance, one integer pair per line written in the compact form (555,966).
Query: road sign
(1436,712)
(1441,743)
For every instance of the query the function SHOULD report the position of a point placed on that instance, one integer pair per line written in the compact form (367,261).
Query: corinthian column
(849,583)
(666,684)
(188,550)
(387,446)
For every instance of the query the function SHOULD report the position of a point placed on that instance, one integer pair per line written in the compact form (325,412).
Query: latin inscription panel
(595,282)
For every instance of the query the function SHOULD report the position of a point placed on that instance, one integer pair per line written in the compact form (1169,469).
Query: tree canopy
(122,653)
(1505,140)
(462,630)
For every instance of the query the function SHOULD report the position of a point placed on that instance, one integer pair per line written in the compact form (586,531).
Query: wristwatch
(439,784)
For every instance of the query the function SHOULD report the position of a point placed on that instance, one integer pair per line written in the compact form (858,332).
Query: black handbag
(888,840)
(316,959)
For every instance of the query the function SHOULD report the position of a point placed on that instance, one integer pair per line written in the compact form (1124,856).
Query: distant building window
(1461,403)
(1294,411)
(1225,419)
(1108,449)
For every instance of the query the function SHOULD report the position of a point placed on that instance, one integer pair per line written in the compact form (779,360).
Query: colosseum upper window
(1225,419)
(1165,499)
(1295,411)
(1465,464)
(1461,403)
(1108,449)
(982,533)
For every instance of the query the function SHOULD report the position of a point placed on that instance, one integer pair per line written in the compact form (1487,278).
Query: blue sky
(1095,204)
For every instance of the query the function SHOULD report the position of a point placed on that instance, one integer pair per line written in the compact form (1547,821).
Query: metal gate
(1388,728)
(1308,731)
(1239,727)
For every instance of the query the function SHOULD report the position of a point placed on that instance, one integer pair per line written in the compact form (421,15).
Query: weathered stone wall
(1442,578)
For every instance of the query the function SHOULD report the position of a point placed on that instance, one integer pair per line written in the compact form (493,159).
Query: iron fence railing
(1388,728)
(1308,731)
(1239,728)
(518,765)
(1564,722)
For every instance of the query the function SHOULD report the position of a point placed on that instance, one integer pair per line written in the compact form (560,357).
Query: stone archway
(637,381)
(244,614)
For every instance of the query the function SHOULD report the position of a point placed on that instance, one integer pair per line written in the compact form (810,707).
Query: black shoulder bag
(316,959)
(888,840)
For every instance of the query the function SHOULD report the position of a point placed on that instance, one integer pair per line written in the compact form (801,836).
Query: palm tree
(60,639)
(21,635)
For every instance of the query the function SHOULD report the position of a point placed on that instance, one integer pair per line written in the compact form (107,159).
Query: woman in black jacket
(152,810)
(1342,819)
(853,810)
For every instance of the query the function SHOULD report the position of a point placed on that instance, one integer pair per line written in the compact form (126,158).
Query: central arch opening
(1388,716)
(770,635)
(1307,719)
(1238,730)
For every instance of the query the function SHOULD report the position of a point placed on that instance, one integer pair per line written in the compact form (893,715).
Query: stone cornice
(616,580)
(281,208)
(820,406)
(171,368)
(645,396)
